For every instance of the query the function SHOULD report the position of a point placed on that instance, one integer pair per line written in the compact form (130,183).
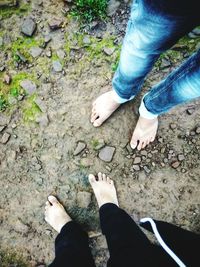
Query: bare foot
(144,133)
(104,189)
(103,107)
(55,214)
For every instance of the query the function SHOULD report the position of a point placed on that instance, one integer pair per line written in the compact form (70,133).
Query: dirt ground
(38,158)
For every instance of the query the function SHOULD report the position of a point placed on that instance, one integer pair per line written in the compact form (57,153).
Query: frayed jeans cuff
(145,113)
(121,100)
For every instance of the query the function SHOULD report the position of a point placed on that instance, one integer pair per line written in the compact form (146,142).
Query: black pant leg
(72,248)
(185,244)
(127,244)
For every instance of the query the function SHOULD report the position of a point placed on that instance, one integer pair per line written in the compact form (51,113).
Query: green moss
(6,12)
(94,143)
(31,109)
(22,46)
(12,259)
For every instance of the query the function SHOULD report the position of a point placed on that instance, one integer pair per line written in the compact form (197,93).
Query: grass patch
(30,110)
(11,259)
(89,10)
(7,12)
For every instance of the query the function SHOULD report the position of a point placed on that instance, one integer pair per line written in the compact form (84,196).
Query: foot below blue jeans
(154,26)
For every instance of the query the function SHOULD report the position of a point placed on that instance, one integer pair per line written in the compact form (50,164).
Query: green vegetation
(11,259)
(88,10)
(31,109)
(6,12)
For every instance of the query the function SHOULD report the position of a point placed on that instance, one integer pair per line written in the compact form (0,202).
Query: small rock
(28,27)
(2,68)
(47,39)
(43,120)
(190,111)
(20,227)
(181,157)
(86,40)
(41,104)
(83,199)
(192,35)
(5,138)
(61,54)
(80,147)
(2,128)
(112,7)
(55,24)
(173,126)
(28,86)
(136,167)
(100,144)
(146,169)
(7,79)
(175,164)
(137,160)
(106,153)
(35,51)
(108,168)
(197,130)
(196,31)
(57,66)
(49,53)
(21,57)
(108,50)
(165,63)
(1,41)
(143,153)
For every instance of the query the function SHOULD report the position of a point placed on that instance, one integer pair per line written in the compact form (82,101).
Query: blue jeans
(150,31)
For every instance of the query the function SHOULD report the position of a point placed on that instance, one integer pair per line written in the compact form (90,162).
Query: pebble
(112,7)
(2,128)
(175,164)
(86,40)
(136,167)
(197,130)
(28,27)
(35,51)
(83,199)
(5,138)
(165,63)
(55,24)
(7,79)
(28,86)
(181,157)
(137,160)
(49,53)
(108,50)
(61,54)
(146,169)
(190,111)
(173,126)
(196,31)
(80,147)
(2,68)
(143,153)
(43,120)
(108,168)
(20,227)
(57,66)
(106,153)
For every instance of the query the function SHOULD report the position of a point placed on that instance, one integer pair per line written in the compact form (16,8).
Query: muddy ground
(41,129)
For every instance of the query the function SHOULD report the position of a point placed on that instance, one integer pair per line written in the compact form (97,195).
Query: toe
(91,178)
(100,177)
(104,177)
(98,122)
(53,200)
(134,142)
(139,147)
(47,205)
(144,144)
(94,116)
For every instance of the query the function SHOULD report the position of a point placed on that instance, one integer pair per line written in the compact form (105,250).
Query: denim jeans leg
(148,34)
(182,85)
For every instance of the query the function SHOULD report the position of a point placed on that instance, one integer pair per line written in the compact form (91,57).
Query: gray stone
(7,79)
(1,41)
(28,27)
(196,31)
(165,63)
(106,153)
(108,50)
(21,57)
(112,7)
(41,104)
(146,169)
(197,130)
(28,86)
(35,51)
(136,167)
(43,120)
(173,126)
(175,164)
(80,147)
(47,39)
(57,66)
(181,157)
(55,24)
(61,54)
(137,160)
(49,53)
(2,128)
(86,40)
(5,138)
(20,227)
(83,199)
(192,35)
(8,2)
(190,111)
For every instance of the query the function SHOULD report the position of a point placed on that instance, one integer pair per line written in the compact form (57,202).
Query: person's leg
(180,86)
(184,243)
(127,244)
(71,245)
(149,33)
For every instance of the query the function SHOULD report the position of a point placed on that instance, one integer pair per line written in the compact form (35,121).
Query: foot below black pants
(127,244)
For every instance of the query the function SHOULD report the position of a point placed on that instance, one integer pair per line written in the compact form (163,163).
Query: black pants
(127,244)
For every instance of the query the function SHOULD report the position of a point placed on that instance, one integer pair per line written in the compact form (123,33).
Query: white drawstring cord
(162,243)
